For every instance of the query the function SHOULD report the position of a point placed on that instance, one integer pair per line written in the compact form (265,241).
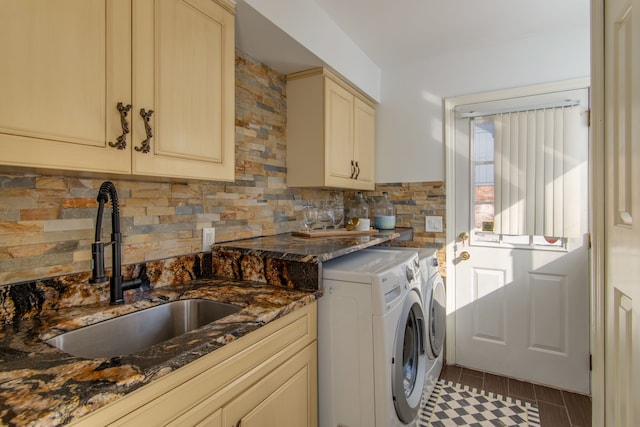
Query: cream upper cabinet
(119,86)
(184,71)
(364,141)
(330,133)
(65,66)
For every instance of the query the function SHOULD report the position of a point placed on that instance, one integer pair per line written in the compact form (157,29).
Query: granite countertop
(315,249)
(41,385)
(268,277)
(291,261)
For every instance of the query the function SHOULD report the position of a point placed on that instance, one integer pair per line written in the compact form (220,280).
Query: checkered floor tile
(456,405)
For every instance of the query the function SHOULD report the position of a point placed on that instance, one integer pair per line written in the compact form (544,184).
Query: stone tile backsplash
(413,201)
(47,221)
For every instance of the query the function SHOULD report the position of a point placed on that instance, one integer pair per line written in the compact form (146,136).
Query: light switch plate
(208,238)
(433,224)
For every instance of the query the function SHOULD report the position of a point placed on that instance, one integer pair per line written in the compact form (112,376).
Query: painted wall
(409,128)
(310,26)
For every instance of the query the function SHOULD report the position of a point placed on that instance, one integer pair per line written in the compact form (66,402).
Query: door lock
(465,255)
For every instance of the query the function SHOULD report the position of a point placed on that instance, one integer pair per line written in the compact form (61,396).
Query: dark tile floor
(557,408)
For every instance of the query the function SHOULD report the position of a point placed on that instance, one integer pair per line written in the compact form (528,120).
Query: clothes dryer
(433,300)
(436,315)
(371,340)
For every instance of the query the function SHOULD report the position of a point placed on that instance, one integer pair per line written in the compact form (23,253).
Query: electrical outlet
(208,238)
(433,224)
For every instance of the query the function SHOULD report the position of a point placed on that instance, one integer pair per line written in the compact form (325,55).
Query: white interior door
(622,222)
(521,302)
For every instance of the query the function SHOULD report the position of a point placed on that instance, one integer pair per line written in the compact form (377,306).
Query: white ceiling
(403,31)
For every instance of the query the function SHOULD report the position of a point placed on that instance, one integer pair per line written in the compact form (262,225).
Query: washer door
(437,317)
(409,359)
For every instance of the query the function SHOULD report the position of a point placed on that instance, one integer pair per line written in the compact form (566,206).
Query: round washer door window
(437,318)
(408,364)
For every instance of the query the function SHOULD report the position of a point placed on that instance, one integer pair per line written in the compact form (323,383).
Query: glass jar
(384,217)
(357,207)
(362,207)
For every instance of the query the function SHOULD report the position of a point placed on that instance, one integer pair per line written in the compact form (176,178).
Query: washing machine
(371,340)
(433,301)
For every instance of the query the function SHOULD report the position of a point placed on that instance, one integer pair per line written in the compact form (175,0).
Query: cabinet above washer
(330,132)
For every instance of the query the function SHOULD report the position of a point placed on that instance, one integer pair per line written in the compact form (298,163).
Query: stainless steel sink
(140,330)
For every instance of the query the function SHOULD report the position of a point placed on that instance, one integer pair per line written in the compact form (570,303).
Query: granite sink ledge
(41,385)
(289,260)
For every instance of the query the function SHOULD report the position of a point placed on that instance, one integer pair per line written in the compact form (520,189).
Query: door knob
(463,236)
(465,255)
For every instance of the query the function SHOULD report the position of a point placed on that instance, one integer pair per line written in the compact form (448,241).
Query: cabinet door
(184,71)
(364,144)
(65,67)
(338,135)
(285,398)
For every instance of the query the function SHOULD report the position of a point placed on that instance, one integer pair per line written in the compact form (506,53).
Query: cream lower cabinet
(266,378)
(142,87)
(287,387)
(330,133)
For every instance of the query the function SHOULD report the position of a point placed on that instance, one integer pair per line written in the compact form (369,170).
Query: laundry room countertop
(268,277)
(291,261)
(41,385)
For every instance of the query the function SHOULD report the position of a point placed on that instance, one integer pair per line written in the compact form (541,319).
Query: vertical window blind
(538,160)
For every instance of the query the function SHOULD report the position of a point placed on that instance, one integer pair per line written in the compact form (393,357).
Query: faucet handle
(97,263)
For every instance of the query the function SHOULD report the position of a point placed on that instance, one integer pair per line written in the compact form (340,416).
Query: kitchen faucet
(116,283)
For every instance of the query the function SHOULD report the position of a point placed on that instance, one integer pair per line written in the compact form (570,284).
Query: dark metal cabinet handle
(121,141)
(353,170)
(145,146)
(357,171)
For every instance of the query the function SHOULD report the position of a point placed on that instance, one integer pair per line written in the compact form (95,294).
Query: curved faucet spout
(117,284)
(108,190)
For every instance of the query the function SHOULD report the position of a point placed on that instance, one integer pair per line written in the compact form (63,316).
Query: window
(483,172)
(529,176)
